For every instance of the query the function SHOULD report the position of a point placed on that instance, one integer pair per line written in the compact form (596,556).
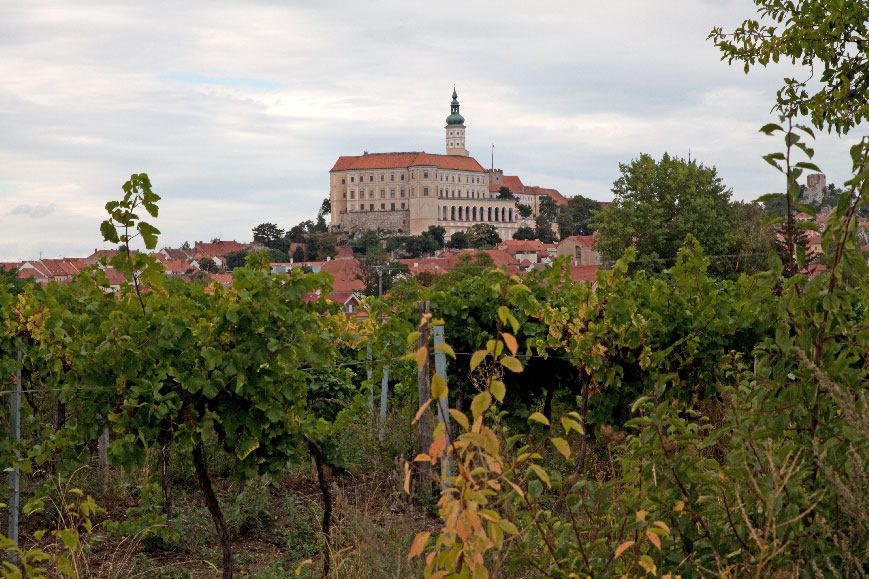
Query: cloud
(34,211)
(237,111)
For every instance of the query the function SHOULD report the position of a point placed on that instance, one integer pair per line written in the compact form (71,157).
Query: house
(580,249)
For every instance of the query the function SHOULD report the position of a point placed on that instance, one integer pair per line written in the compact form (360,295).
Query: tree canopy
(658,203)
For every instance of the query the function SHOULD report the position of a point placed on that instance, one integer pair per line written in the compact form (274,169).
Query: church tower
(455,129)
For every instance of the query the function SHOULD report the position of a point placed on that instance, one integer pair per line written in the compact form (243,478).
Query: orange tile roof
(584,272)
(581,240)
(404,161)
(514,183)
(217,249)
(514,246)
(553,193)
(344,272)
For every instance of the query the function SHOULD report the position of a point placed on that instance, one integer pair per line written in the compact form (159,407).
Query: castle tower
(455,129)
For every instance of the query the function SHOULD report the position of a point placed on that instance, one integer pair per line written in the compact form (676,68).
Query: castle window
(383,205)
(392,206)
(353,194)
(392,193)
(425,191)
(402,191)
(402,205)
(343,180)
(454,178)
(382,177)
(371,178)
(402,176)
(345,194)
(351,178)
(425,175)
(392,176)
(383,193)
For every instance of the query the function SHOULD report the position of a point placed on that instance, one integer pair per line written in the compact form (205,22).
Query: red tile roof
(581,240)
(404,161)
(344,273)
(217,249)
(514,246)
(553,193)
(584,272)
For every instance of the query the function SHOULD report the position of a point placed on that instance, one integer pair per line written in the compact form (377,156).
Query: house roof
(514,246)
(584,272)
(217,249)
(581,240)
(177,265)
(344,272)
(404,161)
(177,253)
(559,199)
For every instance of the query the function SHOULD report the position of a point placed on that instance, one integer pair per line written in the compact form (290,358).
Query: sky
(237,110)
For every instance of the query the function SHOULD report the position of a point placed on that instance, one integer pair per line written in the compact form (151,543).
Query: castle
(409,192)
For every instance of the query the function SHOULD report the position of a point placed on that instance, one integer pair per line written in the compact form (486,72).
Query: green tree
(576,217)
(235,259)
(439,233)
(14,284)
(299,253)
(363,243)
(505,193)
(548,207)
(267,233)
(525,211)
(525,232)
(277,256)
(209,265)
(483,236)
(543,229)
(321,246)
(325,208)
(658,203)
(459,240)
(829,37)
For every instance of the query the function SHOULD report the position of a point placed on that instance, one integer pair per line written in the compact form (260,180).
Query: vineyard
(674,424)
(667,422)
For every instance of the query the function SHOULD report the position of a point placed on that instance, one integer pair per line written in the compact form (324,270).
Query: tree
(378,273)
(235,259)
(543,229)
(325,208)
(458,240)
(277,256)
(548,207)
(524,210)
(321,246)
(365,242)
(658,203)
(14,284)
(267,233)
(576,217)
(209,265)
(830,36)
(483,236)
(299,253)
(525,232)
(419,245)
(505,193)
(439,233)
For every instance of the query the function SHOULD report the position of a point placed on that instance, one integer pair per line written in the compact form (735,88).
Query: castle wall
(365,220)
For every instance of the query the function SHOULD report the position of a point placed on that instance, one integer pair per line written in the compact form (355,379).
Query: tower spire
(455,129)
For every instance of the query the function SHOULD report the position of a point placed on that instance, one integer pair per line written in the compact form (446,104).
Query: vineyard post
(424,428)
(443,403)
(15,473)
(370,385)
(384,392)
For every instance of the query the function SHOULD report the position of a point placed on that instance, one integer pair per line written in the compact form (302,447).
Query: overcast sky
(237,110)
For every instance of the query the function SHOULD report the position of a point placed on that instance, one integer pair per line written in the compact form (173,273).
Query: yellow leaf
(539,417)
(561,446)
(498,390)
(446,349)
(511,363)
(418,545)
(679,506)
(541,474)
(662,525)
(478,358)
(648,564)
(655,539)
(438,446)
(460,418)
(569,423)
(503,312)
(422,457)
(413,337)
(421,410)
(302,564)
(481,403)
(438,388)
(641,516)
(421,357)
(511,343)
(622,548)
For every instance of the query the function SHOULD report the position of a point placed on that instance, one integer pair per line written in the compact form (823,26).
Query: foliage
(267,233)
(576,218)
(208,265)
(814,33)
(524,210)
(459,240)
(548,207)
(505,193)
(543,229)
(658,203)
(523,232)
(482,236)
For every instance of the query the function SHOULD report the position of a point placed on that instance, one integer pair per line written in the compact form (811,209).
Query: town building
(409,192)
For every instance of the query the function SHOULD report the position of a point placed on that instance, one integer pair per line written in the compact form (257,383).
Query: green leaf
(571,424)
(769,197)
(446,349)
(149,234)
(109,232)
(245,447)
(541,474)
(769,128)
(439,389)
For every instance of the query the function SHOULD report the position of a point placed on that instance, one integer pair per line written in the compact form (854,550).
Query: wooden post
(424,426)
(443,403)
(370,385)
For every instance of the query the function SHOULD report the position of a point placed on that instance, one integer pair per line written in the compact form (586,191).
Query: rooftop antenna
(689,155)
(493,157)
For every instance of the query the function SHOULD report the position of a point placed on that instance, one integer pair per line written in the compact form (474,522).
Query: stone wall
(364,220)
(815,185)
